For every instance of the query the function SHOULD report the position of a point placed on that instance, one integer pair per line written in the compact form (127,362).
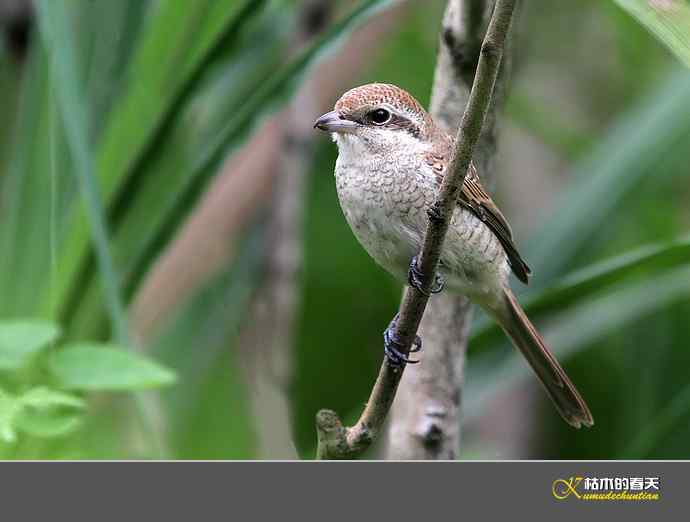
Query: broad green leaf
(43,398)
(668,20)
(93,367)
(48,413)
(9,409)
(47,424)
(21,339)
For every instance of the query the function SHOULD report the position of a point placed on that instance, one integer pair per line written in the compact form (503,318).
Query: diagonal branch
(424,422)
(334,440)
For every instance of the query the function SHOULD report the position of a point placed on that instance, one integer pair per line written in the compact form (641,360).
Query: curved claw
(434,214)
(416,280)
(391,346)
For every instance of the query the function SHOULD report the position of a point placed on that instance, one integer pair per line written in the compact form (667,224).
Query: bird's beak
(332,122)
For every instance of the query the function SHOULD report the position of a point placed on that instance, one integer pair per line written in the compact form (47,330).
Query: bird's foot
(392,346)
(416,279)
(434,214)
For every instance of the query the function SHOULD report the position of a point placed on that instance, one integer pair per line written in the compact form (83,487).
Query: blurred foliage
(668,20)
(122,113)
(38,398)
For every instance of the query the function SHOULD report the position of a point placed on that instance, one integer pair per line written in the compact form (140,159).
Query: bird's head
(377,118)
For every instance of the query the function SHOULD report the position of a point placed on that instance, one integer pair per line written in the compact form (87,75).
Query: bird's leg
(416,279)
(392,346)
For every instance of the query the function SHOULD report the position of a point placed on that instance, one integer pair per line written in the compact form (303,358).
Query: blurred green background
(141,154)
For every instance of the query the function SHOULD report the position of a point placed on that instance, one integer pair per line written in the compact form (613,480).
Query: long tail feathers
(562,391)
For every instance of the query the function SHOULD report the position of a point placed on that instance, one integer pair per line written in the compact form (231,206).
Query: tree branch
(425,419)
(335,441)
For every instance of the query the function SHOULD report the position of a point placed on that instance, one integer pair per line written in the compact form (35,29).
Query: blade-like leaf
(577,328)
(258,54)
(37,189)
(55,30)
(19,340)
(633,148)
(668,20)
(187,167)
(590,280)
(661,425)
(106,33)
(106,367)
(157,87)
(268,98)
(28,208)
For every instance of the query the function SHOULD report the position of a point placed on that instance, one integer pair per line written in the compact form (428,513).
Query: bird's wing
(474,198)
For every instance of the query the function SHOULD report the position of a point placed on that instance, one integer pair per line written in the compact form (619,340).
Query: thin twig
(425,422)
(334,440)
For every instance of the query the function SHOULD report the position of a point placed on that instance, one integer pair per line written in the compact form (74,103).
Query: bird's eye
(379,116)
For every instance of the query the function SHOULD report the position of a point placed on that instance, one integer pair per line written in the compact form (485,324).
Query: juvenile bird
(392,159)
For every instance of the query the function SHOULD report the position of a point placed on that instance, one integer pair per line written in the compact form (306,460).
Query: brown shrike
(392,159)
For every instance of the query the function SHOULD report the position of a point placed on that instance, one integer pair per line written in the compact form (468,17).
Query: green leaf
(633,149)
(178,46)
(163,72)
(94,367)
(37,187)
(668,419)
(48,413)
(577,328)
(55,30)
(42,424)
(43,398)
(590,280)
(19,340)
(10,407)
(253,57)
(28,208)
(267,99)
(182,187)
(668,20)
